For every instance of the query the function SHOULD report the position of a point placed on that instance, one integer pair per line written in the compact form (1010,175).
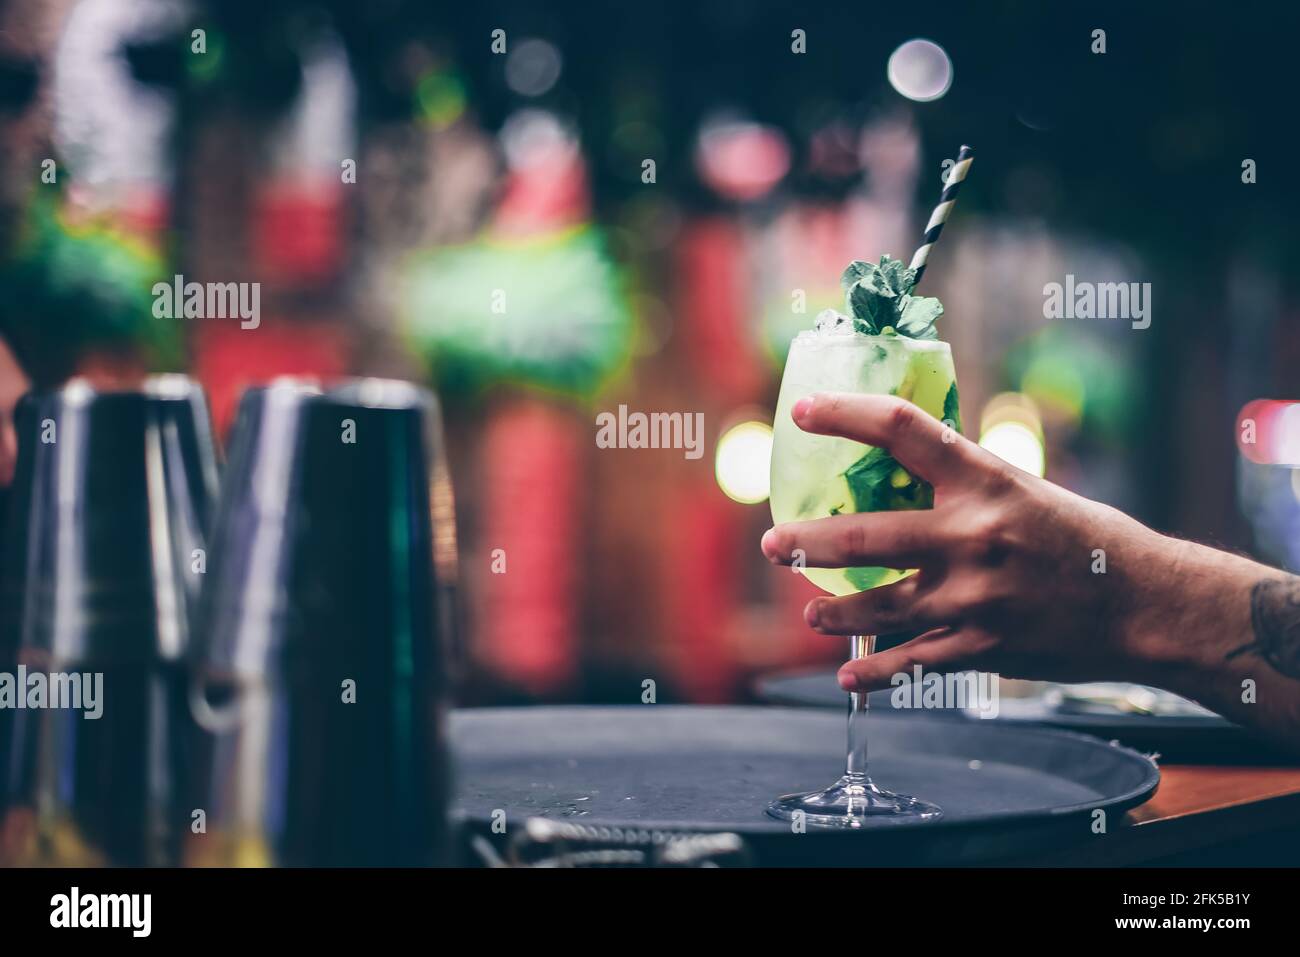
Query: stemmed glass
(815,476)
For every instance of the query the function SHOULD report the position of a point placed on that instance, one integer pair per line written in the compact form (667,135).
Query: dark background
(1123,166)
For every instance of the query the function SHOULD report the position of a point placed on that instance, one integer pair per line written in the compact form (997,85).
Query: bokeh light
(530,137)
(1011,428)
(741,160)
(1054,381)
(440,99)
(1016,443)
(533,67)
(1287,444)
(1268,432)
(743,462)
(920,70)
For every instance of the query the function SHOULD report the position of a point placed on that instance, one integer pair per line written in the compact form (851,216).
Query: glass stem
(856,768)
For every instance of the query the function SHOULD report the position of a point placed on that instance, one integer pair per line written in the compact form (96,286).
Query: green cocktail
(886,347)
(815,476)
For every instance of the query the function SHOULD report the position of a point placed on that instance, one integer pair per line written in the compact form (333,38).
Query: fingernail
(810,614)
(802,408)
(768,544)
(847,680)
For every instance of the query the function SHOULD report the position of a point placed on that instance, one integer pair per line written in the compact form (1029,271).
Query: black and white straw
(965,157)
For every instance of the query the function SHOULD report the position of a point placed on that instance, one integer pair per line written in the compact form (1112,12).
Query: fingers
(921,443)
(942,650)
(888,539)
(906,605)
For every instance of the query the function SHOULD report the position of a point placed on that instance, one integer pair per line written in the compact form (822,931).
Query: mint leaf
(868,480)
(879,297)
(853,272)
(896,275)
(951,411)
(888,278)
(864,579)
(871,483)
(872,312)
(917,316)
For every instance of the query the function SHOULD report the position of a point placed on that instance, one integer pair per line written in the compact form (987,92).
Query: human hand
(1015,575)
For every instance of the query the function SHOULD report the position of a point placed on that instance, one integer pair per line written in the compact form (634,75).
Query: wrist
(1187,608)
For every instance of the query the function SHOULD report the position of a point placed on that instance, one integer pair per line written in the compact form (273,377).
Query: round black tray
(1005,791)
(1181,738)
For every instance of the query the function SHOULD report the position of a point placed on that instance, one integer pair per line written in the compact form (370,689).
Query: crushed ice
(829,322)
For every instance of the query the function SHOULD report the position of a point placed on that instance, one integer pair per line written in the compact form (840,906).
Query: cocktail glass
(816,476)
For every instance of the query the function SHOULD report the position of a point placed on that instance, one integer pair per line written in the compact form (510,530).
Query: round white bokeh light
(743,462)
(1016,443)
(533,67)
(1286,447)
(920,70)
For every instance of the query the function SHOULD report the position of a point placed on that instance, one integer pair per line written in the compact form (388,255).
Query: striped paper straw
(965,157)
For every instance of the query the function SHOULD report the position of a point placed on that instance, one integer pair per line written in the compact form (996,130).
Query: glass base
(851,802)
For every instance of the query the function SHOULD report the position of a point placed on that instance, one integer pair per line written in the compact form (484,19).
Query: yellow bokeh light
(743,462)
(1018,444)
(1012,429)
(1011,407)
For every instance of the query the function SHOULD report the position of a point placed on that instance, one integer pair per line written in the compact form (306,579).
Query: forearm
(1222,630)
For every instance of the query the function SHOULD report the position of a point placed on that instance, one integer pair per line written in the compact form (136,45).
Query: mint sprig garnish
(880,300)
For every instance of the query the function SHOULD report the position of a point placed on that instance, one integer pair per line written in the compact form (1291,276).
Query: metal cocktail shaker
(103,556)
(320,676)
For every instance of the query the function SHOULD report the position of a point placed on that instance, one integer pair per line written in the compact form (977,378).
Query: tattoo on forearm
(1275,619)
